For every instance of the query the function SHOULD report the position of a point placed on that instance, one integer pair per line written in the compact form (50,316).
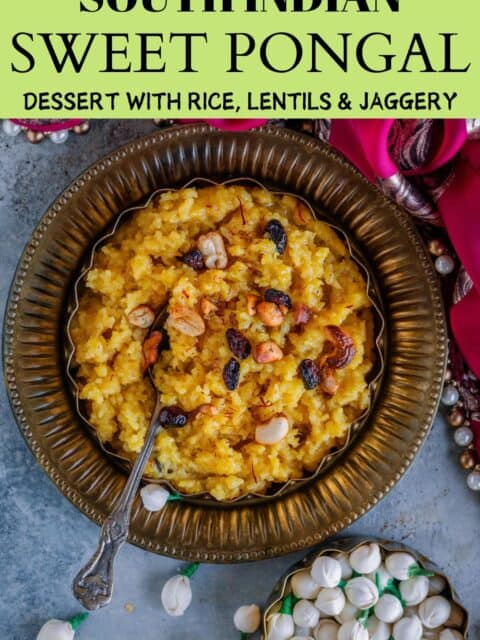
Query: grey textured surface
(44,539)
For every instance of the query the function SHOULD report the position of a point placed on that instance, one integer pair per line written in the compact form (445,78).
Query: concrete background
(44,539)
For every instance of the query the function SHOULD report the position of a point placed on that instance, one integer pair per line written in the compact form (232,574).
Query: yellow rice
(139,265)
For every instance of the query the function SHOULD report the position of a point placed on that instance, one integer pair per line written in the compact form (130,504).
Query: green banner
(239,58)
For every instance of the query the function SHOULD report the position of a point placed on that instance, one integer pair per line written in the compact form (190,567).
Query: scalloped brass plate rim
(401,416)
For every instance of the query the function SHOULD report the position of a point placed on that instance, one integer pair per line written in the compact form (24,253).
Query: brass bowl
(347,545)
(373,378)
(415,342)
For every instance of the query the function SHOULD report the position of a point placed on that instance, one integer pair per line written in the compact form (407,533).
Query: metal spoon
(93,585)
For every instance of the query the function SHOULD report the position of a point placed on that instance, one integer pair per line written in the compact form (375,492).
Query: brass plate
(416,341)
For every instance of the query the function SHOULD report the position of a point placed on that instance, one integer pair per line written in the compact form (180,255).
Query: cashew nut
(213,250)
(186,320)
(272,431)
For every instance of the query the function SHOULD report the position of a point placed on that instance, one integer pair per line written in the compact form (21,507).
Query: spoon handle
(93,585)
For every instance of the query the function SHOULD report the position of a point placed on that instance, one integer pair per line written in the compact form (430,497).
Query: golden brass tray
(415,346)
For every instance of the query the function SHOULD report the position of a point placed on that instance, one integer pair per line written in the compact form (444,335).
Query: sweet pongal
(269,339)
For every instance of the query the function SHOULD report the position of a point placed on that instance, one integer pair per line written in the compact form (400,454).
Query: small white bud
(408,629)
(304,586)
(378,630)
(414,590)
(56,630)
(349,613)
(388,608)
(434,611)
(361,592)
(436,585)
(347,570)
(326,630)
(280,627)
(247,618)
(176,595)
(352,630)
(450,634)
(305,614)
(326,571)
(398,564)
(330,601)
(366,559)
(154,497)
(382,575)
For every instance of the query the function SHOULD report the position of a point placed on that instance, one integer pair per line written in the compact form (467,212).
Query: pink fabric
(238,124)
(47,127)
(365,143)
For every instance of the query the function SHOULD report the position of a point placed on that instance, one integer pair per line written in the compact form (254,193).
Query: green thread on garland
(377,584)
(174,497)
(355,574)
(364,615)
(243,635)
(77,620)
(289,601)
(415,570)
(392,589)
(190,569)
(342,584)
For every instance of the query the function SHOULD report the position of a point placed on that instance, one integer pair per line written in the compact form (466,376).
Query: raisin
(231,374)
(172,416)
(277,234)
(194,259)
(342,351)
(278,297)
(238,343)
(310,373)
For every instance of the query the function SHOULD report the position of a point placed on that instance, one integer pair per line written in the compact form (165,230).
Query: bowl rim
(219,553)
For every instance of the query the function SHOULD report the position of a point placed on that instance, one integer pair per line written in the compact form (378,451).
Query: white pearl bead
(463,436)
(473,480)
(444,265)
(450,395)
(59,137)
(10,128)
